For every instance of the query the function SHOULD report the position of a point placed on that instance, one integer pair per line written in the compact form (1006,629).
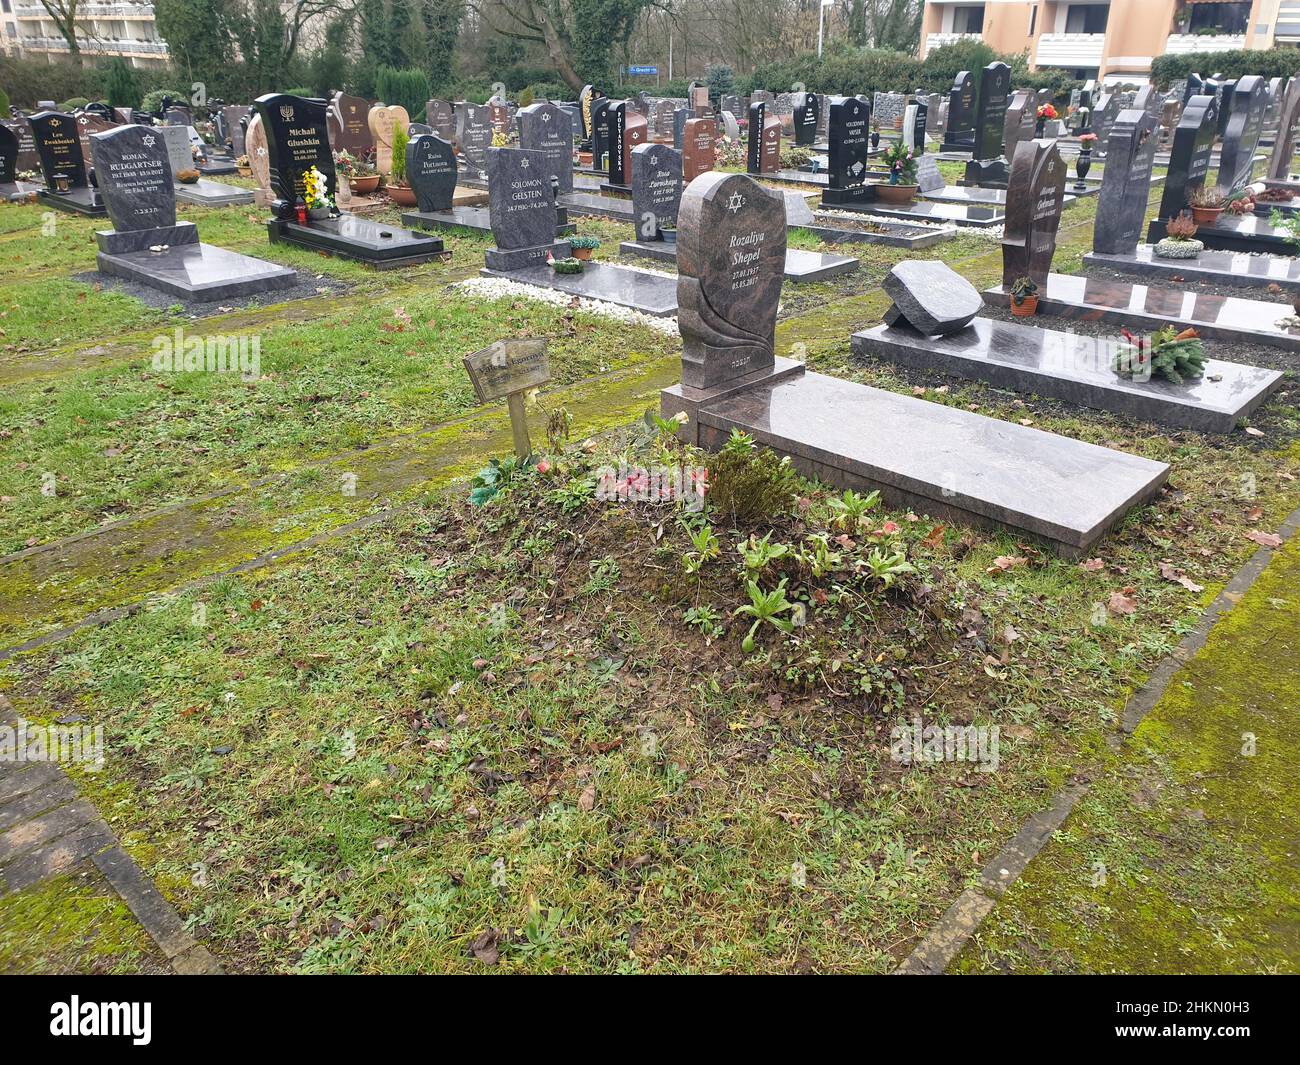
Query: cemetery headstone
(431,171)
(352,113)
(849,139)
(602,133)
(1241,136)
(730,266)
(1189,159)
(297,139)
(764,149)
(27,156)
(237,124)
(1019,123)
(1126,183)
(10,187)
(259,159)
(548,129)
(628,128)
(699,136)
(135,178)
(681,116)
(63,166)
(473,135)
(807,118)
(959,129)
(440,116)
(523,211)
(931,297)
(988,167)
(1288,127)
(383,121)
(730,127)
(1035,196)
(656,189)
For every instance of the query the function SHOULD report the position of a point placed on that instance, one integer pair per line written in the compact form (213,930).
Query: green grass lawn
(526,734)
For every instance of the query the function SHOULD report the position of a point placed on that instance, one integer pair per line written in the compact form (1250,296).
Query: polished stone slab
(1219,267)
(895,236)
(586,204)
(623,286)
(18,191)
(1074,368)
(1237,233)
(198,271)
(800,265)
(204,193)
(941,460)
(974,194)
(476,218)
(1152,307)
(977,216)
(796,177)
(350,237)
(84,200)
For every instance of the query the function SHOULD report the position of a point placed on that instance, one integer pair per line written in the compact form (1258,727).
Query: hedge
(1168,70)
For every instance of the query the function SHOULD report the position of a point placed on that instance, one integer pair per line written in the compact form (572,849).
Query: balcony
(1070,49)
(1182,43)
(938,40)
(88,12)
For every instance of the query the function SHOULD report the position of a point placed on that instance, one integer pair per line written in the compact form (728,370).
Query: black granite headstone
(8,155)
(1126,183)
(600,136)
(1189,159)
(807,113)
(473,134)
(431,171)
(959,132)
(730,267)
(297,139)
(58,148)
(135,177)
(522,207)
(656,189)
(1288,128)
(548,129)
(438,114)
(1035,196)
(991,111)
(849,138)
(1241,137)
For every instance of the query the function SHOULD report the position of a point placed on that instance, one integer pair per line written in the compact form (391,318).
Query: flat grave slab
(1152,307)
(795,177)
(1237,233)
(954,463)
(895,236)
(381,246)
(216,166)
(974,215)
(198,271)
(17,191)
(83,200)
(1074,368)
(476,218)
(204,193)
(651,294)
(973,194)
(1220,267)
(800,265)
(586,204)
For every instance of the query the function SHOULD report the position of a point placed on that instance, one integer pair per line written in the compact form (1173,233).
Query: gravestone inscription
(1035,196)
(656,189)
(431,171)
(1126,183)
(547,128)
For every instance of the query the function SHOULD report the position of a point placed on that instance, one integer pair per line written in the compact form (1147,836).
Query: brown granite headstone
(259,159)
(1288,127)
(1035,196)
(699,137)
(350,128)
(731,245)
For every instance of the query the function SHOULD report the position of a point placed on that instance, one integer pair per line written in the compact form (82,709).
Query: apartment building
(1111,40)
(103,29)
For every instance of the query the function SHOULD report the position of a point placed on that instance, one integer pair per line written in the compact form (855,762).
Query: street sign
(643,70)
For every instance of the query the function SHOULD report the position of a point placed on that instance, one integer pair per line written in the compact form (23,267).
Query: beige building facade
(1112,40)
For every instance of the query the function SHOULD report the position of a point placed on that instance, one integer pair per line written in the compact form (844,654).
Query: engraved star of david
(736,202)
(654,160)
(148,140)
(523,164)
(546,116)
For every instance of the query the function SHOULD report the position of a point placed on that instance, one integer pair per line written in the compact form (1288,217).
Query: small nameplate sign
(508,366)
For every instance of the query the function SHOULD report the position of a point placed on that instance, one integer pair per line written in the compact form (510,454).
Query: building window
(968,19)
(1033,19)
(1088,18)
(1219,18)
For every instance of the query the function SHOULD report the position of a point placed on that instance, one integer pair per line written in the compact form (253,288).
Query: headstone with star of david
(656,189)
(548,129)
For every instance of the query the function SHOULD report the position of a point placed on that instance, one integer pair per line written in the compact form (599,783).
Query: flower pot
(1026,308)
(1040,127)
(1206,216)
(896,193)
(363,186)
(582,253)
(403,195)
(318,213)
(1178,249)
(244,171)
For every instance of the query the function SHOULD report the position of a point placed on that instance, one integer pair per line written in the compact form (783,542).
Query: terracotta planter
(584,158)
(1027,308)
(582,253)
(896,193)
(363,186)
(403,195)
(244,171)
(1206,216)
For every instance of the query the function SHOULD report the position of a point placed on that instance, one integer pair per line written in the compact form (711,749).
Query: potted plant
(396,185)
(565,266)
(583,246)
(361,174)
(1024,298)
(316,195)
(1207,204)
(1178,242)
(244,167)
(902,186)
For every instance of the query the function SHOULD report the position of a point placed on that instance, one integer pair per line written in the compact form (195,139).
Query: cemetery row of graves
(557,537)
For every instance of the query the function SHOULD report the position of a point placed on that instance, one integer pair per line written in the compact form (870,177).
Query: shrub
(153,100)
(4,104)
(73,103)
(400,139)
(406,88)
(1169,70)
(748,485)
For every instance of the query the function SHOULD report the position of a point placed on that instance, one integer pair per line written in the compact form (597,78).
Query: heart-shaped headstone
(384,119)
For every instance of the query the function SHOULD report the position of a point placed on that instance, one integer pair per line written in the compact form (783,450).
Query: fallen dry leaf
(1170,572)
(1093,565)
(1006,562)
(587,800)
(1264,539)
(1122,602)
(934,537)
